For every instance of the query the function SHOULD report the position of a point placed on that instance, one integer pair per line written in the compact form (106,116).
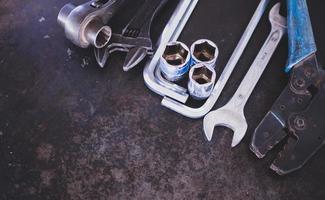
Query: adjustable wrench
(232,114)
(134,38)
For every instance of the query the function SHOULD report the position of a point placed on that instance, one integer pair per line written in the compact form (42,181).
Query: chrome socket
(175,61)
(204,51)
(201,81)
(85,25)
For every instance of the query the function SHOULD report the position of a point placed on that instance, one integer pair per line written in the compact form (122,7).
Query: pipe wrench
(134,38)
(299,112)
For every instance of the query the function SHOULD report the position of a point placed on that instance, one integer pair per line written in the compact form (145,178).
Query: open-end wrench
(232,114)
(178,106)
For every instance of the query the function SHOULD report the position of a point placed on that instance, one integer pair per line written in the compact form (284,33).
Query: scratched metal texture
(70,130)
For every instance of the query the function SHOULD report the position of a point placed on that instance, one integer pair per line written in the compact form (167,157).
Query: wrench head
(229,118)
(275,17)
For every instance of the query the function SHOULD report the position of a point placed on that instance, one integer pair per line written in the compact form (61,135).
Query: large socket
(175,61)
(204,51)
(85,25)
(201,81)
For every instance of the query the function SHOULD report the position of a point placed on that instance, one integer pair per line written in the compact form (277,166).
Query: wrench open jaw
(226,117)
(232,114)
(135,38)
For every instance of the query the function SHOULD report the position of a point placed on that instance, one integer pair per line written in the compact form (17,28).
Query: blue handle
(301,38)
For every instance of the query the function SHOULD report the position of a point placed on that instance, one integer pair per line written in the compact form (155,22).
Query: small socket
(175,61)
(204,51)
(201,81)
(97,34)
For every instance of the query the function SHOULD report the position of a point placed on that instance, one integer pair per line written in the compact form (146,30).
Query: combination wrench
(232,114)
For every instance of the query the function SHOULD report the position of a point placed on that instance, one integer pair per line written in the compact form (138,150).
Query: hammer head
(275,18)
(226,117)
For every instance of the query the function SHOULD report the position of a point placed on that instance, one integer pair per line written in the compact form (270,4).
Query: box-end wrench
(195,113)
(232,114)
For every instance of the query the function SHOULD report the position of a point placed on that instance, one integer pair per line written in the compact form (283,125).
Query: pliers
(299,112)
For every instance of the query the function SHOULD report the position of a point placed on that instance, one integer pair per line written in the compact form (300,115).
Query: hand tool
(171,32)
(201,81)
(134,38)
(204,51)
(298,113)
(179,107)
(175,61)
(86,24)
(232,114)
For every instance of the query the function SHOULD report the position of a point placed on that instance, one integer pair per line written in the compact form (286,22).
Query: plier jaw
(298,115)
(299,112)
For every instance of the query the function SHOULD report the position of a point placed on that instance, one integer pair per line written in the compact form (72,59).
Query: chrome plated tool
(201,81)
(175,61)
(151,74)
(204,51)
(299,112)
(232,114)
(135,37)
(85,24)
(176,105)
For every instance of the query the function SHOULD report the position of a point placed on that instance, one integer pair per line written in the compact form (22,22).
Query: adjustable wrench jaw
(136,48)
(135,37)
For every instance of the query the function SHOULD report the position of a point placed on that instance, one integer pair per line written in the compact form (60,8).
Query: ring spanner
(232,114)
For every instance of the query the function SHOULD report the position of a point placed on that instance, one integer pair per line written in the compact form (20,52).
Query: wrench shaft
(256,70)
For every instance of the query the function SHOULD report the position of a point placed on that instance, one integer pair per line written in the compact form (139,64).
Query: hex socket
(204,51)
(175,61)
(201,81)
(83,30)
(97,34)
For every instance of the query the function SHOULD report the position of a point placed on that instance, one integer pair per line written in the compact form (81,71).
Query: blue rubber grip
(301,38)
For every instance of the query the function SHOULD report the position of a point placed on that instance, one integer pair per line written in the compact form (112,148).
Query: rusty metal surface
(70,130)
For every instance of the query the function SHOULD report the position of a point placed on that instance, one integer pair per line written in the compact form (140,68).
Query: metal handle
(256,70)
(142,21)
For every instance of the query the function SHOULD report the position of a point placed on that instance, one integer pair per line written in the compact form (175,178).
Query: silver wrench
(232,114)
